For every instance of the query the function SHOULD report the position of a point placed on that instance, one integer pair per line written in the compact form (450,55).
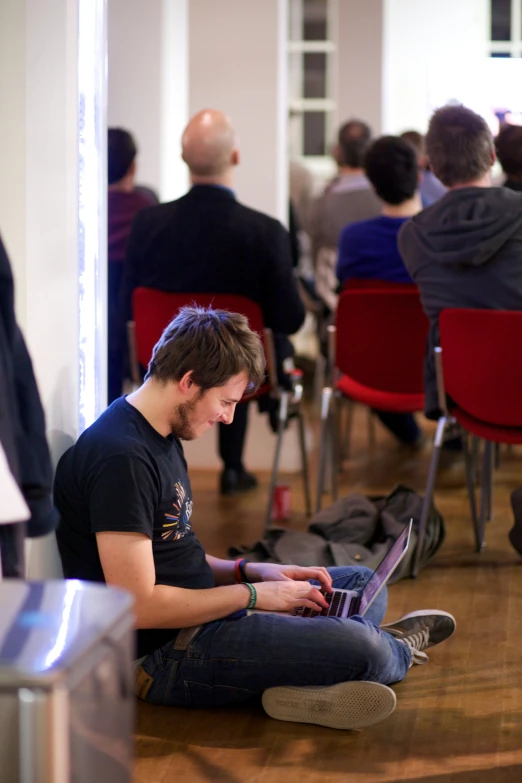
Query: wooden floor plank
(458,718)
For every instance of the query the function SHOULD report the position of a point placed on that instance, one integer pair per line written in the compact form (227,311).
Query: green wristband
(253,595)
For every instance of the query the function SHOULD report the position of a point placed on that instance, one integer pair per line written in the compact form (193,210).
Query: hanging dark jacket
(22,426)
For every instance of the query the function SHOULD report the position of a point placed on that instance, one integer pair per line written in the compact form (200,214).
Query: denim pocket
(202,696)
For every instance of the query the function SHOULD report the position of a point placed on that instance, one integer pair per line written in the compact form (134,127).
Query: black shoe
(421,630)
(233,481)
(515,534)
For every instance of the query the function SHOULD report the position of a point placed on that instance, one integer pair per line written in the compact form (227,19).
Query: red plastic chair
(479,379)
(377,348)
(153,310)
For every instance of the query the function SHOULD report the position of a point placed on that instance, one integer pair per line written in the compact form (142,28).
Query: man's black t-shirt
(122,475)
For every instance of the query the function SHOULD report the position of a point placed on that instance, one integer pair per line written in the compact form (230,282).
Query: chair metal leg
(495,447)
(475,456)
(428,496)
(283,416)
(319,378)
(347,436)
(304,462)
(485,487)
(470,481)
(335,419)
(325,410)
(371,429)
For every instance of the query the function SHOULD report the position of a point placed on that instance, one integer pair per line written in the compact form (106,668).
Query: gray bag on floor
(355,530)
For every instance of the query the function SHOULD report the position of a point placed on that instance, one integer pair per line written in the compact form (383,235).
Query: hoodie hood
(467,227)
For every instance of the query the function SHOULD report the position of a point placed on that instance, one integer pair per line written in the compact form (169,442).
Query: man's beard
(180,426)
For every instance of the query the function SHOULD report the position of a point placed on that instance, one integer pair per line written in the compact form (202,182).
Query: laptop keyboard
(336,605)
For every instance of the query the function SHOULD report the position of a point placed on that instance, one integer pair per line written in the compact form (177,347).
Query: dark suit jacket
(206,242)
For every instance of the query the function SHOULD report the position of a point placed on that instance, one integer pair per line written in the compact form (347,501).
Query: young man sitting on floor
(126,505)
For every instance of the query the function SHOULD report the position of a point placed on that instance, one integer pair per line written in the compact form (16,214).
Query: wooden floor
(458,719)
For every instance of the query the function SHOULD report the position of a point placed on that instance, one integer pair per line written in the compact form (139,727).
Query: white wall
(148,83)
(359,37)
(237,63)
(12,148)
(39,208)
(431,54)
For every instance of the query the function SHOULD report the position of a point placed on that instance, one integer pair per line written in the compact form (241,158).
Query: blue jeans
(230,661)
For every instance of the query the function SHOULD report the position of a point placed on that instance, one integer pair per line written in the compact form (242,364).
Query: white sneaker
(347,705)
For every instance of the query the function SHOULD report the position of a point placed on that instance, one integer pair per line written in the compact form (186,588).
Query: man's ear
(236,158)
(493,156)
(186,384)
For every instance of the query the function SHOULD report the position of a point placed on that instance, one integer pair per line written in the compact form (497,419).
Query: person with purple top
(124,203)
(368,249)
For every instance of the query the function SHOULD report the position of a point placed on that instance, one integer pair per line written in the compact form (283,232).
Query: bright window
(311,52)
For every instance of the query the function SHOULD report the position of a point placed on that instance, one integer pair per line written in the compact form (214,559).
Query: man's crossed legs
(321,670)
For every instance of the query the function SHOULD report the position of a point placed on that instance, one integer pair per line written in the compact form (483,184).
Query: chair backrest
(381,338)
(353,283)
(481,363)
(152,310)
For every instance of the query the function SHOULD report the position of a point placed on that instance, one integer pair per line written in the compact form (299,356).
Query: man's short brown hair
(509,149)
(215,345)
(459,145)
(353,140)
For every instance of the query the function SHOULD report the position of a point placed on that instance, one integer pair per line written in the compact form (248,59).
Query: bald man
(207,242)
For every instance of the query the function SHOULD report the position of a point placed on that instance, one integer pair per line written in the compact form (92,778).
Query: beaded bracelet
(253,595)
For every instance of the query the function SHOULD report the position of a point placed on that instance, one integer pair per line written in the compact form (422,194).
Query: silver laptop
(346,603)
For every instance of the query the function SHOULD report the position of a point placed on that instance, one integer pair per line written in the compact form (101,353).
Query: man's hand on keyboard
(273,572)
(288,594)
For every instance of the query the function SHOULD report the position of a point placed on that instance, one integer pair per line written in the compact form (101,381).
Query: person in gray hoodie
(465,250)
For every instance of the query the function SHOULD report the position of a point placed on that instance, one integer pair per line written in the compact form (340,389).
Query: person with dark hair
(430,188)
(124,202)
(127,519)
(207,242)
(508,144)
(368,249)
(465,250)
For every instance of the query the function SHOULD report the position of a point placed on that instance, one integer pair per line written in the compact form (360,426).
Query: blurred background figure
(301,186)
(124,202)
(509,152)
(368,249)
(349,196)
(431,189)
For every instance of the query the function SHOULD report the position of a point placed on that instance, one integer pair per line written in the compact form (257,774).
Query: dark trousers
(232,439)
(402,425)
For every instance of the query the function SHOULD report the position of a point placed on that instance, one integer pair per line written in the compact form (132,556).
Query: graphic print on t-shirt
(177,524)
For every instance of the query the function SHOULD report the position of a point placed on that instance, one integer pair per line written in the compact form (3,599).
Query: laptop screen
(383,572)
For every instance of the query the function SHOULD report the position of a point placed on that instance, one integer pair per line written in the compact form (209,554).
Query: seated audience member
(430,188)
(508,144)
(124,202)
(465,250)
(127,519)
(207,242)
(301,189)
(368,249)
(347,198)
